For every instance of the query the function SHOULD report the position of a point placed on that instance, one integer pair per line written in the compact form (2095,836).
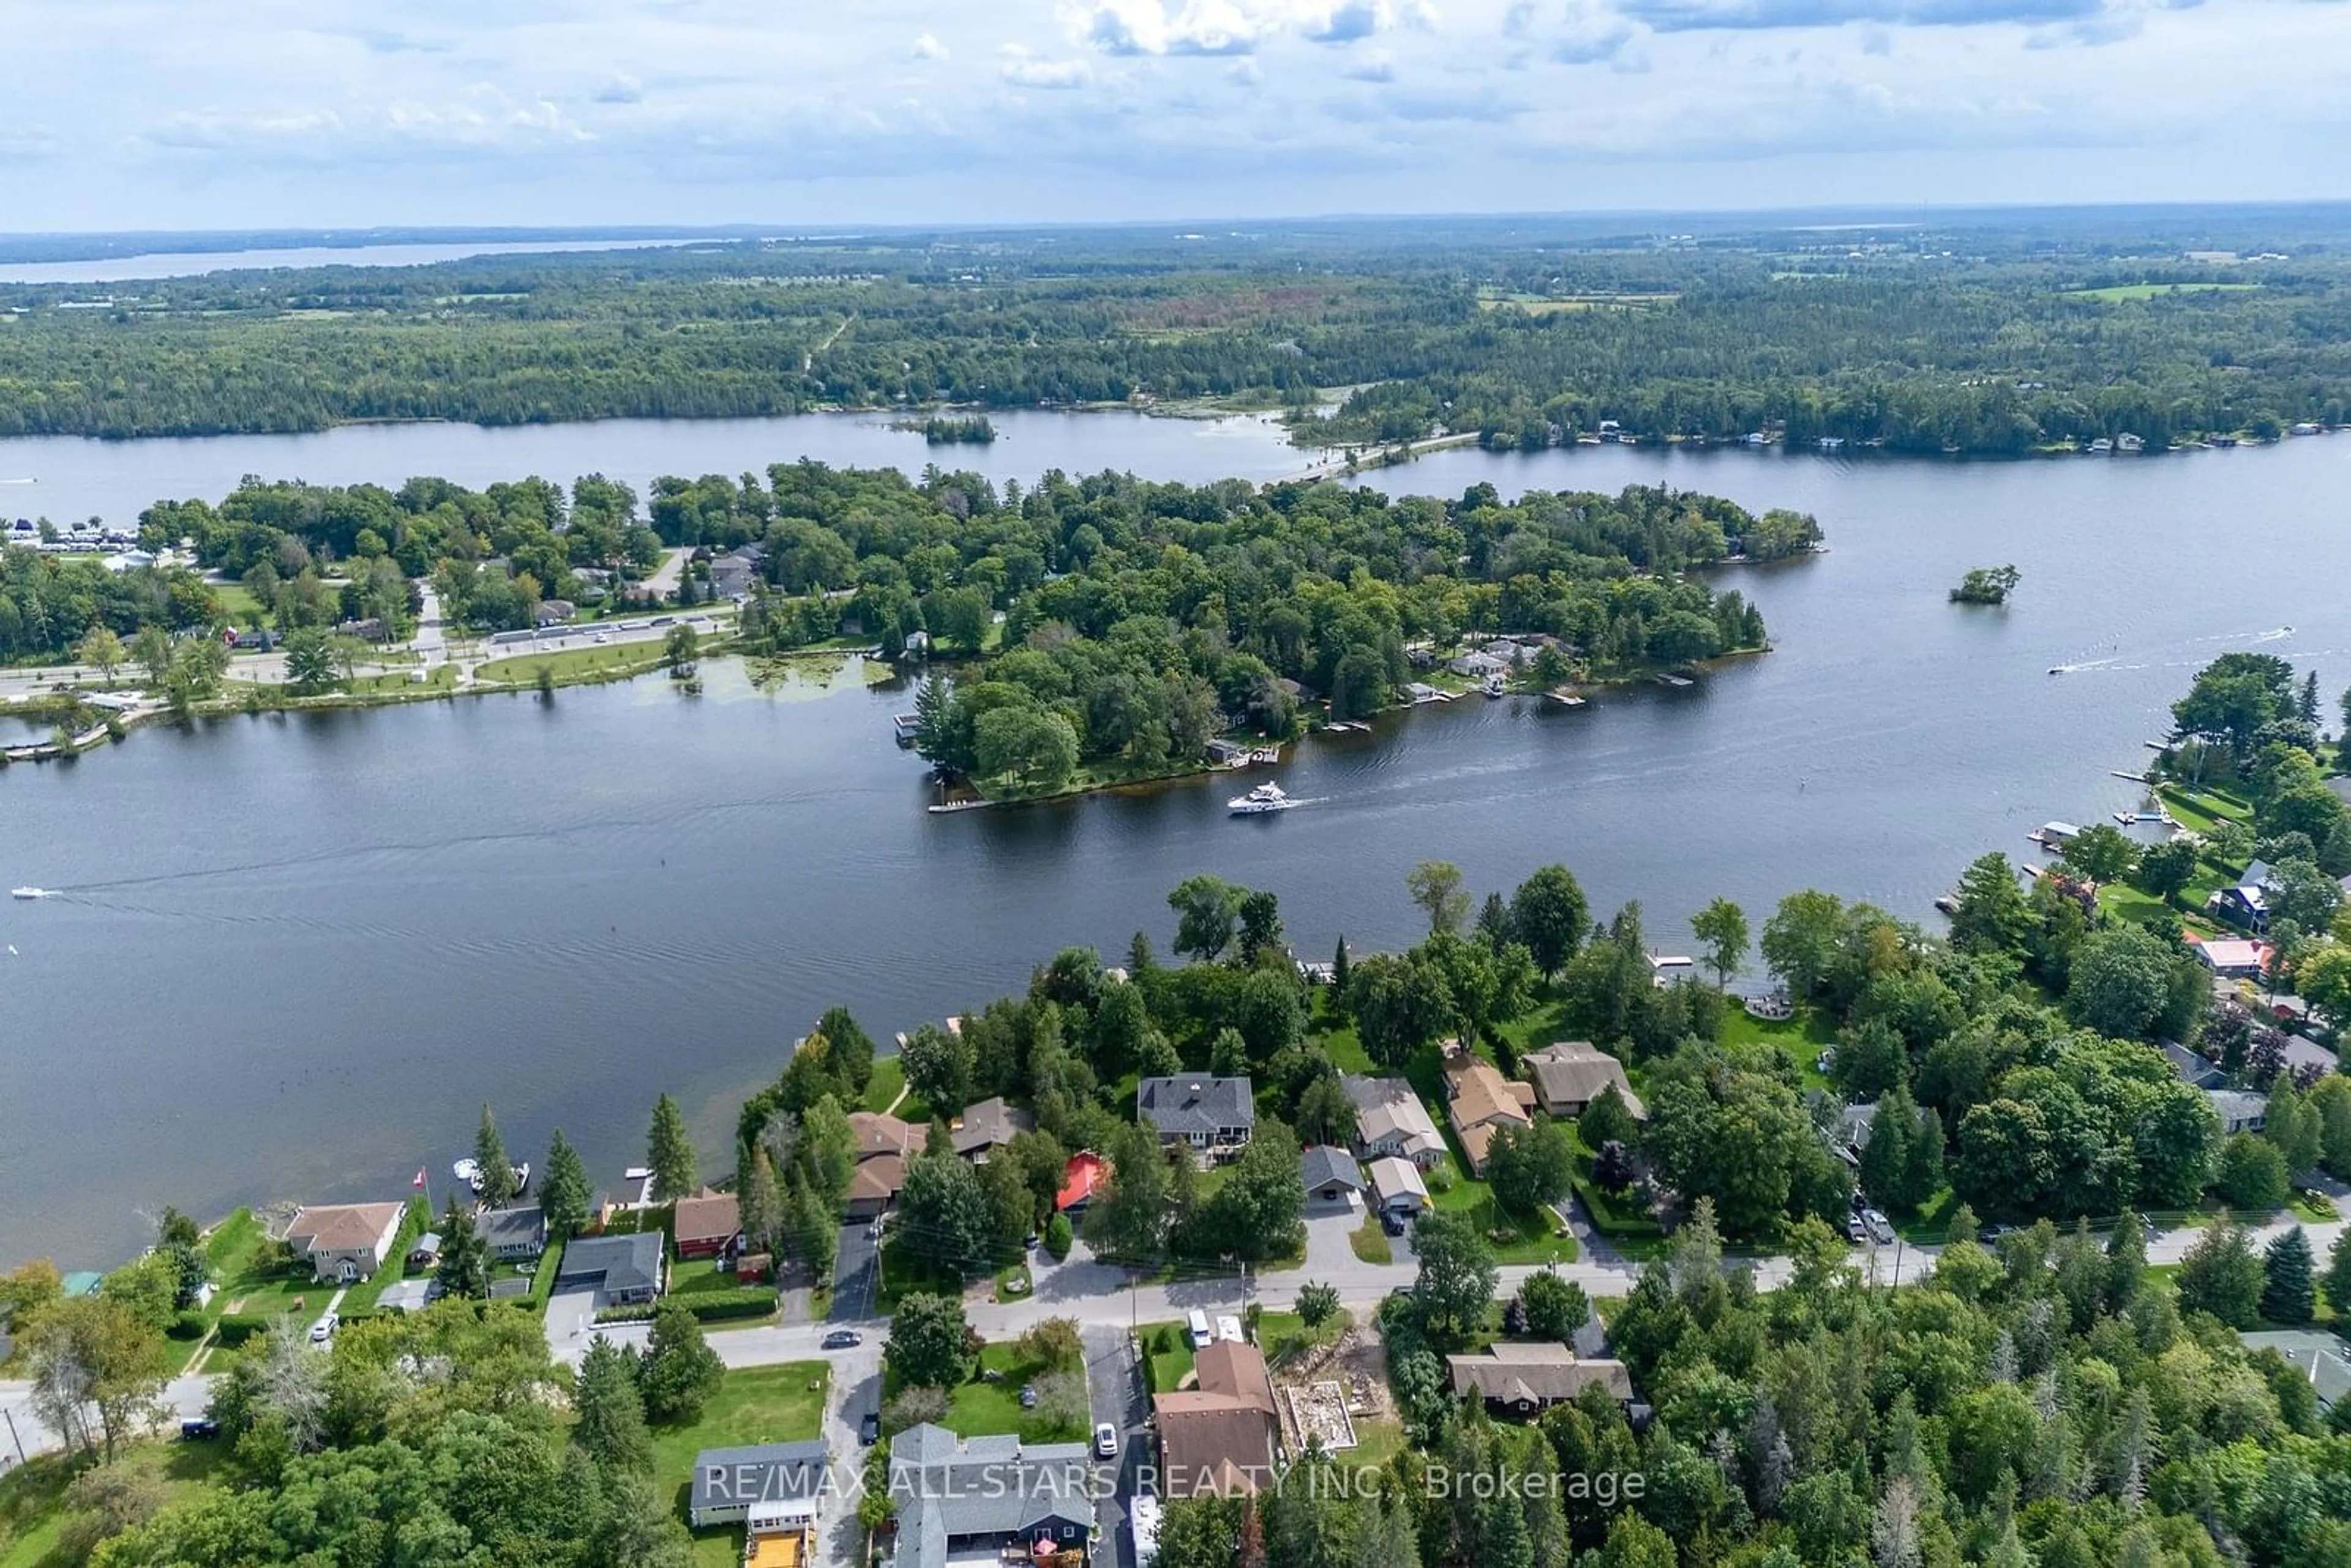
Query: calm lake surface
(200,263)
(297,953)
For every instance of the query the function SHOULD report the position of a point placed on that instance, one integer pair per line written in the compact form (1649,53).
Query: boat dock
(1565,698)
(904,725)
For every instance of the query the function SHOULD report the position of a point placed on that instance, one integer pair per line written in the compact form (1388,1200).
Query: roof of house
(877,1178)
(2191,1067)
(1387,1107)
(1392,1178)
(430,1242)
(1195,1103)
(623,1262)
(1324,1164)
(2321,1357)
(510,1226)
(1535,1373)
(948,1488)
(2301,1052)
(2230,953)
(2237,1105)
(1219,1436)
(990,1124)
(878,1132)
(343,1227)
(1574,1071)
(707,1217)
(1080,1178)
(405,1296)
(766,1472)
(1478,1092)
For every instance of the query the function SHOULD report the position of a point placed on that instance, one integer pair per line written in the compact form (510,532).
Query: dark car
(869,1430)
(843,1339)
(197,1429)
(1392,1222)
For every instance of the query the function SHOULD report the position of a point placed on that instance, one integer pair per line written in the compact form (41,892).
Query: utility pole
(13,1435)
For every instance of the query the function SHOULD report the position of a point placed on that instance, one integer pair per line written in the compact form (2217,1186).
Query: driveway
(856,1389)
(571,1324)
(1114,1384)
(854,1275)
(1329,1226)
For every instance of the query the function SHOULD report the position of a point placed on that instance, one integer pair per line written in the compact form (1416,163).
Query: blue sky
(235,113)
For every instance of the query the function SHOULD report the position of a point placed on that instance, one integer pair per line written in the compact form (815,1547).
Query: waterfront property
(623,1271)
(884,1145)
(345,1242)
(959,1499)
(1571,1074)
(1481,1102)
(1208,1113)
(513,1235)
(1524,1380)
(707,1224)
(987,1126)
(1221,1436)
(1391,1121)
(782,1482)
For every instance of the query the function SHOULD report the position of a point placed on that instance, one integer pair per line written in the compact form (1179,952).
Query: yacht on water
(30,892)
(1263,798)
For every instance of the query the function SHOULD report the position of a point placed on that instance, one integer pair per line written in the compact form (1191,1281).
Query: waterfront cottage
(1571,1074)
(987,1126)
(707,1224)
(345,1242)
(1391,1122)
(1481,1102)
(513,1235)
(1206,1112)
(874,1185)
(623,1271)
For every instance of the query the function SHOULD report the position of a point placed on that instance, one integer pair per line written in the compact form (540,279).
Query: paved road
(856,1275)
(1115,1387)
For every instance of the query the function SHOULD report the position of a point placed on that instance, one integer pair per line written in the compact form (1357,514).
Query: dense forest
(1973,336)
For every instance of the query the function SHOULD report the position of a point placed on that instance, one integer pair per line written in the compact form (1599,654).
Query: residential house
(2192,1067)
(1479,664)
(969,1499)
(513,1235)
(884,1144)
(345,1242)
(1219,1437)
(1391,1121)
(2321,1357)
(1330,1173)
(623,1271)
(2239,1112)
(1571,1074)
(707,1224)
(1206,1112)
(2233,959)
(1481,1102)
(1081,1179)
(1396,1187)
(987,1126)
(556,612)
(366,628)
(731,574)
(2301,1053)
(778,1479)
(1524,1380)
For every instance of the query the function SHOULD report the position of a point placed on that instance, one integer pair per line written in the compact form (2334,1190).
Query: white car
(1881,1229)
(324,1328)
(603,637)
(1106,1441)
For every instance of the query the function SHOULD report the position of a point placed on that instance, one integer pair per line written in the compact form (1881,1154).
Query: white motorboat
(30,892)
(1257,802)
(466,1171)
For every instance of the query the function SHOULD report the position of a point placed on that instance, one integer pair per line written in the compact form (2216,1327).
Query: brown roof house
(986,1127)
(706,1225)
(345,1242)
(1219,1437)
(1479,1102)
(884,1143)
(879,1133)
(1570,1075)
(1526,1379)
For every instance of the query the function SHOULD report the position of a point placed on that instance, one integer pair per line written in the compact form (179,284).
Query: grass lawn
(2200,810)
(1371,1242)
(1515,1238)
(701,1275)
(2314,1207)
(238,606)
(1801,1038)
(1281,1333)
(1933,1224)
(1169,1346)
(613,659)
(977,1408)
(882,1088)
(32,1507)
(782,1404)
(441,677)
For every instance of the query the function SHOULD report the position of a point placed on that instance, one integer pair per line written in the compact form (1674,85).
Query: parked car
(1881,1229)
(1852,1227)
(869,1430)
(843,1339)
(1392,1222)
(324,1328)
(1106,1441)
(1027,1396)
(1031,1242)
(198,1429)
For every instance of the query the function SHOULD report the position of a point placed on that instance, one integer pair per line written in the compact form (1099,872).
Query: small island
(953,430)
(1987,585)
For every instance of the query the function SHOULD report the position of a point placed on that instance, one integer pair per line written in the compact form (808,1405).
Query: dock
(947,807)
(1565,698)
(904,725)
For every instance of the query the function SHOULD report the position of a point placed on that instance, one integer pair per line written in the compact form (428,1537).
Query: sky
(222,114)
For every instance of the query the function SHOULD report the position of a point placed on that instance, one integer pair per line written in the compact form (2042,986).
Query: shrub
(707,1306)
(235,1328)
(913,1406)
(189,1323)
(1057,1237)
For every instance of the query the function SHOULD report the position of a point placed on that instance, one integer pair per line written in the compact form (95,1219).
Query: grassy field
(1801,1038)
(440,678)
(1284,1333)
(977,1408)
(882,1088)
(237,605)
(612,659)
(1370,1242)
(1170,1362)
(2121,293)
(782,1404)
(32,1510)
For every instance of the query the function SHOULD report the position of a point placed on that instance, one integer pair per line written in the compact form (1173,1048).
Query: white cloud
(928,47)
(622,89)
(1050,75)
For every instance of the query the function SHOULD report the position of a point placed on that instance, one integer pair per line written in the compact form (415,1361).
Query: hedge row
(235,1328)
(707,1306)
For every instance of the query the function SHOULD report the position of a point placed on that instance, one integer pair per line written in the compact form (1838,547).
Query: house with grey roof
(2238,1111)
(965,1497)
(1519,1379)
(1392,1123)
(780,1480)
(1330,1173)
(1573,1073)
(2319,1356)
(622,1269)
(987,1126)
(1198,1109)
(513,1235)
(2191,1066)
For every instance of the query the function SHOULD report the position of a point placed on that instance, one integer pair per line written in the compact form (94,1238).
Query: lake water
(201,263)
(299,952)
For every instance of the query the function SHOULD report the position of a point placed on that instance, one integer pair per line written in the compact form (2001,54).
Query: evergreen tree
(669,1151)
(2286,1266)
(760,1202)
(611,1412)
(465,1267)
(680,1371)
(563,1195)
(2338,1270)
(497,1176)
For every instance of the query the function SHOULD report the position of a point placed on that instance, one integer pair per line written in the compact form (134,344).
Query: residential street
(1114,1382)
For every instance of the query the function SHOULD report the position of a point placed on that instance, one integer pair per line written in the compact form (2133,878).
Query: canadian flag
(419,1182)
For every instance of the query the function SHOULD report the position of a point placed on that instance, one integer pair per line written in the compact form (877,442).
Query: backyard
(780,1404)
